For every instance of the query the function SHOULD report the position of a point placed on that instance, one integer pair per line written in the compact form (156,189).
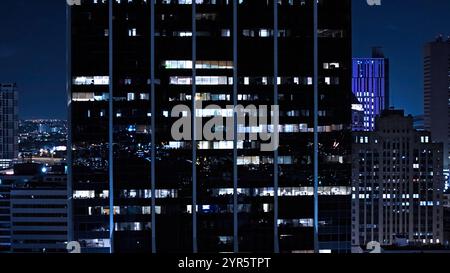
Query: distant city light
(61,148)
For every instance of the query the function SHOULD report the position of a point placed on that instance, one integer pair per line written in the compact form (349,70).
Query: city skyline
(193,126)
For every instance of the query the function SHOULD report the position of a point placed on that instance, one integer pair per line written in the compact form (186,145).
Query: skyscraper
(436,92)
(370,84)
(9,124)
(397,184)
(136,188)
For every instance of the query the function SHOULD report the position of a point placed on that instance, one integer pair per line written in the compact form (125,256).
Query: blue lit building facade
(370,84)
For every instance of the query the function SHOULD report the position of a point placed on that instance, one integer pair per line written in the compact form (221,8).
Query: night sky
(401,27)
(32,54)
(32,48)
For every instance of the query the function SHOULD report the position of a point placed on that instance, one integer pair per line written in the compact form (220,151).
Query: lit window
(132,32)
(264,33)
(201,80)
(91,80)
(183,34)
(226,33)
(144,96)
(84,195)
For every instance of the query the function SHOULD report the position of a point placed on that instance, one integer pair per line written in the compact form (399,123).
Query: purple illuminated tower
(370,85)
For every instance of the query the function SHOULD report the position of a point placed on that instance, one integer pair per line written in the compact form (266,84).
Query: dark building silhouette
(436,95)
(446,205)
(208,196)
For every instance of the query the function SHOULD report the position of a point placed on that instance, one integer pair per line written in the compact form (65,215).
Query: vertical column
(427,208)
(316,131)
(276,245)
(194,129)
(111,127)
(70,224)
(235,125)
(153,121)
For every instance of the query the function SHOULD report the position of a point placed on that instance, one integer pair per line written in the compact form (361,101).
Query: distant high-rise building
(9,124)
(370,85)
(152,192)
(397,184)
(437,93)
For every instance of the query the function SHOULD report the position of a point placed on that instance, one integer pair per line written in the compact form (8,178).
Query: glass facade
(138,189)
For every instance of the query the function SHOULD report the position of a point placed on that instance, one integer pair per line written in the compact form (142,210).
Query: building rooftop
(440,39)
(7,86)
